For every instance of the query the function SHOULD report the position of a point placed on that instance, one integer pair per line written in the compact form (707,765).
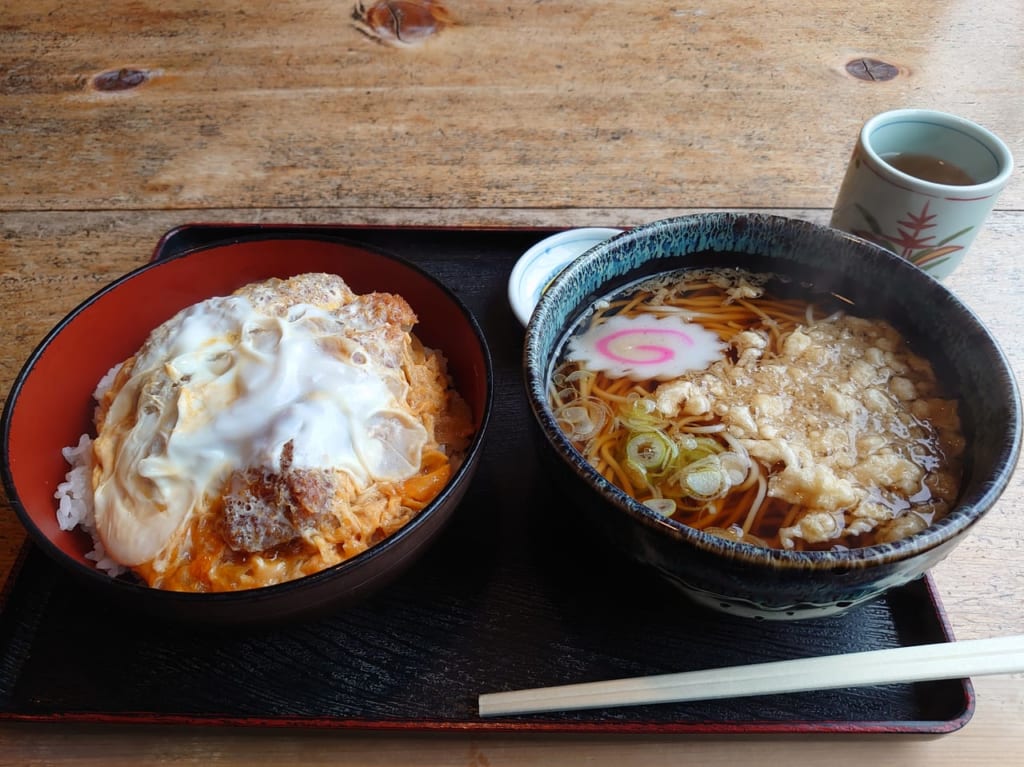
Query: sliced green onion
(664,506)
(582,418)
(735,466)
(692,449)
(636,473)
(580,374)
(704,479)
(640,414)
(735,533)
(653,450)
(705,483)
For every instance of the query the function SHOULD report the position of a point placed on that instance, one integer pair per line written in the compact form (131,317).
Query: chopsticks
(948,660)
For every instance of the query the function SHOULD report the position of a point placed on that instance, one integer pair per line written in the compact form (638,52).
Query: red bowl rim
(247,596)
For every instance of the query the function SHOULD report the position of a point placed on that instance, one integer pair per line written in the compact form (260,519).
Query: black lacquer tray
(513,595)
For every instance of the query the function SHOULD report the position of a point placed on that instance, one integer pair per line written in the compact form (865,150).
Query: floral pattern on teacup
(912,240)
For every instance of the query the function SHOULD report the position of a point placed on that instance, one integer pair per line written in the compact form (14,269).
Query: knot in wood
(401,22)
(872,69)
(119,79)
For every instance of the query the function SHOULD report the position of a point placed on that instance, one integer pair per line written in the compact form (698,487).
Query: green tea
(929,168)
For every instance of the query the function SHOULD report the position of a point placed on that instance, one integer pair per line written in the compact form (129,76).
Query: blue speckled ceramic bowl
(741,578)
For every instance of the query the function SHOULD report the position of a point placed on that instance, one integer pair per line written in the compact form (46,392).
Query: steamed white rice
(74,494)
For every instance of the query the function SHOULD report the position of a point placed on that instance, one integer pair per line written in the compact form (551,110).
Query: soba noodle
(797,427)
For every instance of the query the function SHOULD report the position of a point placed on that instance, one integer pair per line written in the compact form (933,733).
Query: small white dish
(541,263)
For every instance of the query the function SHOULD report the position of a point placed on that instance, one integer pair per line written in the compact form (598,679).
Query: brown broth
(929,168)
(753,511)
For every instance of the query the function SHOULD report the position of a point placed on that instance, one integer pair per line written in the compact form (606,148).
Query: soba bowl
(734,575)
(51,405)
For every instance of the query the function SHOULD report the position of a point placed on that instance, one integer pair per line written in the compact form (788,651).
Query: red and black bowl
(50,405)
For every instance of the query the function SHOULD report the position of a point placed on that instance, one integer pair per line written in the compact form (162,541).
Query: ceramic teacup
(921,183)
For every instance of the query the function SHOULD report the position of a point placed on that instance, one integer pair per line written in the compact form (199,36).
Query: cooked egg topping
(221,388)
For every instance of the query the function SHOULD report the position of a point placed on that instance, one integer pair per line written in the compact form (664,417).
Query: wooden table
(123,119)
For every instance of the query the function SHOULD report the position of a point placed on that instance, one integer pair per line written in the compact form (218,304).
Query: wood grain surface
(120,121)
